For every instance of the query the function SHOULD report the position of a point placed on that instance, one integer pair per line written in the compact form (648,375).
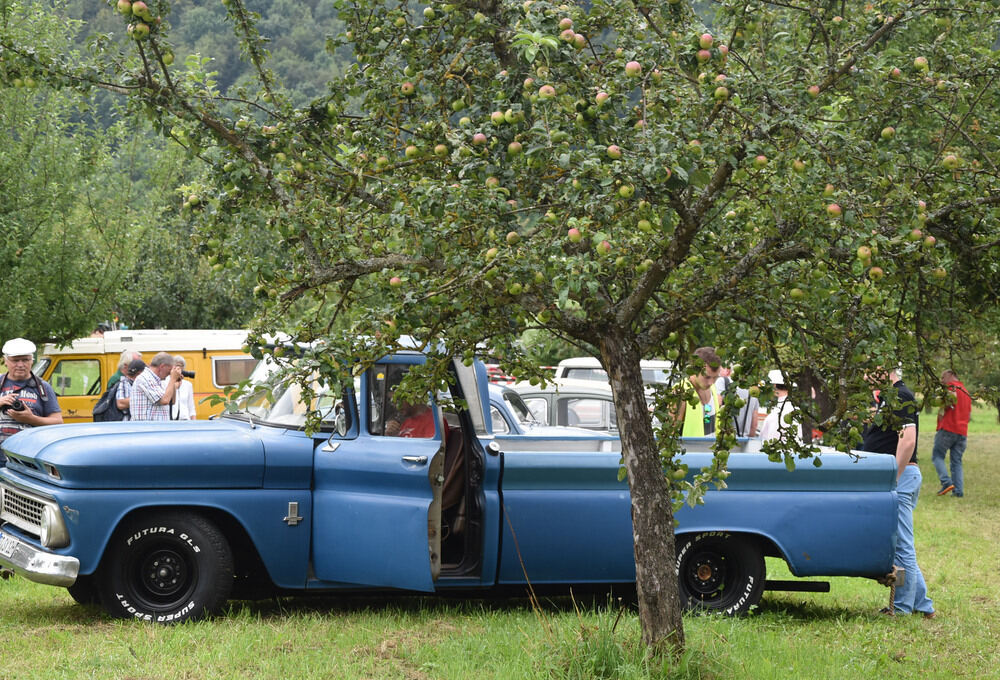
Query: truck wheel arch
(721,571)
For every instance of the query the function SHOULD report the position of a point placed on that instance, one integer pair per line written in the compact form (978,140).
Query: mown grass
(836,635)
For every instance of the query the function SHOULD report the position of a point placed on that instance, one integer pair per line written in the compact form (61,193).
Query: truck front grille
(20,509)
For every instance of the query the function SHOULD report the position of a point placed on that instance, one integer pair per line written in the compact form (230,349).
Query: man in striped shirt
(154,389)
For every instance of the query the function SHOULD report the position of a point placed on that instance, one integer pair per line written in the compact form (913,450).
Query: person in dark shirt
(893,431)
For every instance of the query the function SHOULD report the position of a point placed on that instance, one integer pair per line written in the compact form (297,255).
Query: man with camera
(154,389)
(25,399)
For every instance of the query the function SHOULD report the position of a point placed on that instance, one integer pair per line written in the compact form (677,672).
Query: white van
(589,368)
(79,372)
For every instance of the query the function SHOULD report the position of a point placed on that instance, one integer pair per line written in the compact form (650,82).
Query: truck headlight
(53,531)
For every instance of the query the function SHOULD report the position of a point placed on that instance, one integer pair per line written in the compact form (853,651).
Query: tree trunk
(652,510)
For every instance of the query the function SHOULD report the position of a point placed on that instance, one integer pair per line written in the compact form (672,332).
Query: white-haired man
(154,388)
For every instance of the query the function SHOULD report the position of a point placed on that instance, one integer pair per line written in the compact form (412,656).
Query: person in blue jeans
(893,431)
(952,433)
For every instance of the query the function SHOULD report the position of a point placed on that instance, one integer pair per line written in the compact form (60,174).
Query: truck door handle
(419,460)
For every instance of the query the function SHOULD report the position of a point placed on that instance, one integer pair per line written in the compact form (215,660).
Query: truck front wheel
(167,567)
(720,572)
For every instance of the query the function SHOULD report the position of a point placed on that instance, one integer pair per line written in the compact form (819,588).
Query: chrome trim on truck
(35,564)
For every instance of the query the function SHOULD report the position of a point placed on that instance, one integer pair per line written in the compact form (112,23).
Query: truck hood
(154,455)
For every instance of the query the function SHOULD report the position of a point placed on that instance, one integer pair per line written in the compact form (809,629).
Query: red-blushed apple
(497,118)
(920,63)
(799,166)
(492,182)
(922,205)
(141,10)
(888,132)
(640,124)
(441,150)
(579,41)
(760,161)
(703,55)
(603,248)
(915,235)
(514,148)
(614,152)
(724,51)
(546,92)
(395,282)
(407,89)
(528,83)
(574,235)
(512,237)
(730,214)
(565,23)
(721,93)
(478,139)
(813,90)
(567,35)
(876,273)
(864,253)
(124,7)
(140,31)
(706,41)
(929,241)
(895,73)
(834,210)
(633,69)
(950,162)
(602,98)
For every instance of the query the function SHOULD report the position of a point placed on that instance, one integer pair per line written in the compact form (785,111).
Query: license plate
(7,545)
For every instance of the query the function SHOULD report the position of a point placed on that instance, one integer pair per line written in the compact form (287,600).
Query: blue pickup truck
(167,521)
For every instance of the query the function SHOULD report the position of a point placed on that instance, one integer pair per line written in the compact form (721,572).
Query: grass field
(836,635)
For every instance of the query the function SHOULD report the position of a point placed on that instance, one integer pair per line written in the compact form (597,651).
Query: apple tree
(790,183)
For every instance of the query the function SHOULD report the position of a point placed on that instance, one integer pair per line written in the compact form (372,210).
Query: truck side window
(392,417)
(76,377)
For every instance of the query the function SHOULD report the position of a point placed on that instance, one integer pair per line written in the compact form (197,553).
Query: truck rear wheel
(719,572)
(166,568)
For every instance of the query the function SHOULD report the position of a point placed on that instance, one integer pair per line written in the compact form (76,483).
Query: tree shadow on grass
(810,611)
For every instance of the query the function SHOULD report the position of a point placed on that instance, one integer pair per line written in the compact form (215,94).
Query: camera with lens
(16,405)
(187,374)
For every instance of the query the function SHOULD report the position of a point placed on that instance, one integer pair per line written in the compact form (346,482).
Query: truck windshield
(288,404)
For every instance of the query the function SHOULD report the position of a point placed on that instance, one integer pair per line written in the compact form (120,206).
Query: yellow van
(79,372)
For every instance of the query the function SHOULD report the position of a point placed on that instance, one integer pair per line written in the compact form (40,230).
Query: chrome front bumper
(35,564)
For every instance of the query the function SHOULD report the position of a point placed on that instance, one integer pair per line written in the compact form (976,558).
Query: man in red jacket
(952,431)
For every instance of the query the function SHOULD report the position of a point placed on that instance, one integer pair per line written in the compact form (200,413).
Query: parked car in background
(571,403)
(514,426)
(589,368)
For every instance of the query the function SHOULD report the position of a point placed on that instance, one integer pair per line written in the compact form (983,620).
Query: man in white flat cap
(25,399)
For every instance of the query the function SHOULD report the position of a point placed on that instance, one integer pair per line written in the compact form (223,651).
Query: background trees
(807,188)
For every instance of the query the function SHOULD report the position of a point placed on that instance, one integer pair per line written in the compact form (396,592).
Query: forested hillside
(296,31)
